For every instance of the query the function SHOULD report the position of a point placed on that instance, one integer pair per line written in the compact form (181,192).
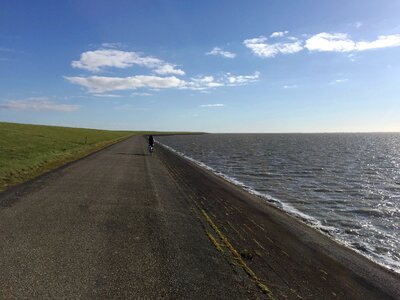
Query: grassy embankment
(27,151)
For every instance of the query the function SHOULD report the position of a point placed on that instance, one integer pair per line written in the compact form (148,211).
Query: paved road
(125,224)
(113,225)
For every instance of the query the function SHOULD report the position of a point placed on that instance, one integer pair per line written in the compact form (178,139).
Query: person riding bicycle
(151,142)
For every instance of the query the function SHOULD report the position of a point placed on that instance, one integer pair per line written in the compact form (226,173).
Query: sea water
(346,185)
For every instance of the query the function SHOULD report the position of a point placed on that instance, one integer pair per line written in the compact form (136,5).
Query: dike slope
(290,258)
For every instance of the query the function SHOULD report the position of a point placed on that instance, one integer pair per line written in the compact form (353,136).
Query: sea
(347,185)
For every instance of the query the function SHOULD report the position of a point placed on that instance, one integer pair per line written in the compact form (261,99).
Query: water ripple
(347,185)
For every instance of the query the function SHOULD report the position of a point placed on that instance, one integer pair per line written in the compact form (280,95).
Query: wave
(270,199)
(332,232)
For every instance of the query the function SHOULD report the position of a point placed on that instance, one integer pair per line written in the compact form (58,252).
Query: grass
(27,151)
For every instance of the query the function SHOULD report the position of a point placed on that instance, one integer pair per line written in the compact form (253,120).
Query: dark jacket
(151,140)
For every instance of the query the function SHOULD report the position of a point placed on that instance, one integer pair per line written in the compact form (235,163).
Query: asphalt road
(125,224)
(113,225)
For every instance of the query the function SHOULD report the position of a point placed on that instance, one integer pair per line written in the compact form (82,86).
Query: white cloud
(293,86)
(38,104)
(340,42)
(168,69)
(352,57)
(101,84)
(202,83)
(142,94)
(98,85)
(107,95)
(228,79)
(241,79)
(212,105)
(96,61)
(220,52)
(279,34)
(330,42)
(358,24)
(321,42)
(383,41)
(262,49)
(336,81)
(4,49)
(112,45)
(6,52)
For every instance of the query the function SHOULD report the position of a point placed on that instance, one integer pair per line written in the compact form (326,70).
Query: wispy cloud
(228,79)
(107,95)
(129,107)
(352,57)
(4,49)
(111,45)
(6,52)
(218,51)
(98,60)
(293,86)
(142,94)
(341,42)
(260,47)
(233,80)
(101,84)
(341,80)
(168,69)
(95,61)
(202,83)
(38,104)
(212,105)
(279,34)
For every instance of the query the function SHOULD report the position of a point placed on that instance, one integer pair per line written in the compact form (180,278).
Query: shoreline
(366,274)
(282,206)
(122,221)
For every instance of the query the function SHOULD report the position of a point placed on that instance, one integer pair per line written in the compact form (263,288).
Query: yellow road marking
(237,256)
(215,242)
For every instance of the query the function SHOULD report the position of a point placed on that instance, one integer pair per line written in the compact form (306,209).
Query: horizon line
(205,132)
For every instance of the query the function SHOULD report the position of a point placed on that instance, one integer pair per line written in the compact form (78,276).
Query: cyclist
(151,143)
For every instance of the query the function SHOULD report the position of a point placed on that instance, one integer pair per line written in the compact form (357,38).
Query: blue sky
(215,66)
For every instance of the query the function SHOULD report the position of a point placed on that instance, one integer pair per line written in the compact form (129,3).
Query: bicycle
(151,148)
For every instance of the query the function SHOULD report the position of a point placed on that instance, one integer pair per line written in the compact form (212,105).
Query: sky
(210,66)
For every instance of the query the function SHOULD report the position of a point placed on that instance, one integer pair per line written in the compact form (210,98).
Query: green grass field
(30,150)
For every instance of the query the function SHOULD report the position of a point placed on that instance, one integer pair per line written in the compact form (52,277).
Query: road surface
(125,224)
